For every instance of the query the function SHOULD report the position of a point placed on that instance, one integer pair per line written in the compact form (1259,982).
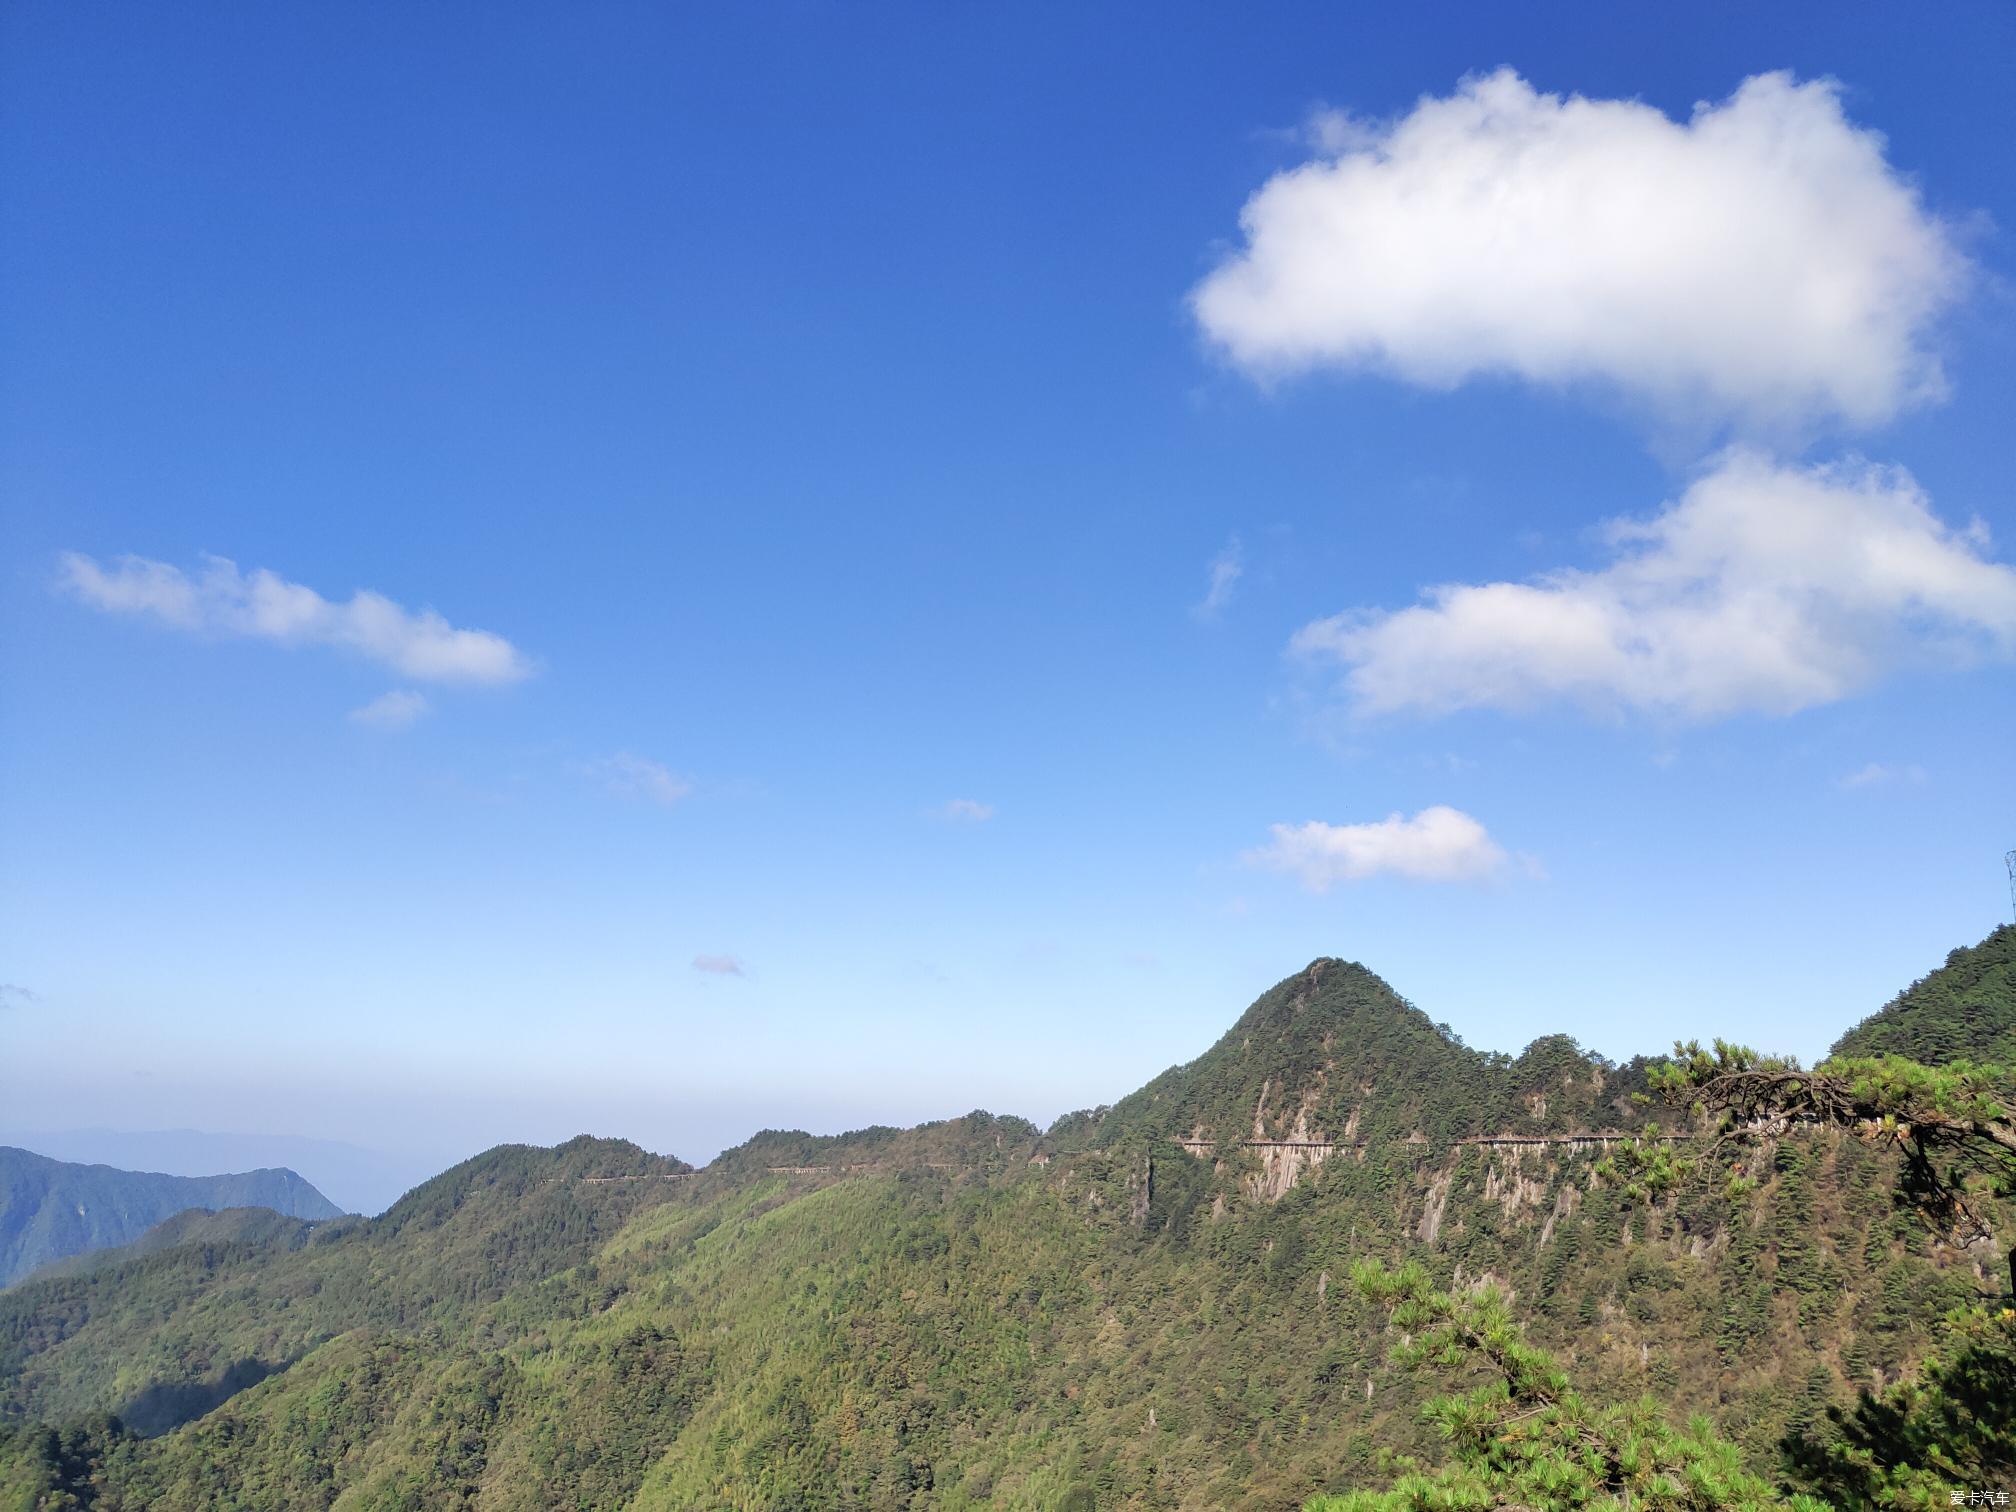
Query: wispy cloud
(1764,589)
(1439,844)
(391,711)
(13,996)
(719,965)
(262,605)
(964,811)
(1760,262)
(1876,774)
(628,775)
(1223,576)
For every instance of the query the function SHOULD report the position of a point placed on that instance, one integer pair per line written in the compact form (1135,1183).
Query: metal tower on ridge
(2010,862)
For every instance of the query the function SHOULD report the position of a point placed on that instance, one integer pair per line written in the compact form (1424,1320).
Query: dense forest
(1603,1283)
(1966,1010)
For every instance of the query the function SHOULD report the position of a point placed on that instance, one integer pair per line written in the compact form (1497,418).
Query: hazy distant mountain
(356,1179)
(1966,1010)
(53,1209)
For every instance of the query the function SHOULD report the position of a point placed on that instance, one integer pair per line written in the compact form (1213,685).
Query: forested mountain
(52,1209)
(1966,1010)
(1145,1306)
(247,1225)
(1334,1054)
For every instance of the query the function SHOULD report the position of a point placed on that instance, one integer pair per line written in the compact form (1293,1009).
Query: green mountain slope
(1141,1308)
(1966,1010)
(244,1304)
(199,1226)
(1334,1054)
(52,1209)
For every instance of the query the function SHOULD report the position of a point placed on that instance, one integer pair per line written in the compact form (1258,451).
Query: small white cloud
(391,711)
(965,811)
(1876,774)
(1439,844)
(221,600)
(1764,589)
(632,776)
(1223,576)
(1761,261)
(719,965)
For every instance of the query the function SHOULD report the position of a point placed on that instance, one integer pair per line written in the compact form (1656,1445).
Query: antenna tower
(2010,862)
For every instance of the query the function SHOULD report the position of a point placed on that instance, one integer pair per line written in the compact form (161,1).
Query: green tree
(1526,1438)
(1954,1125)
(1951,1427)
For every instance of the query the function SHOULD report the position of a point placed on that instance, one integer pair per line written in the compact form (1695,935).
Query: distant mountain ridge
(1966,1010)
(53,1209)
(358,1179)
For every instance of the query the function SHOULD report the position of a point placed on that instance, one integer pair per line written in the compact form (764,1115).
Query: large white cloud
(221,600)
(1760,262)
(1763,588)
(1439,844)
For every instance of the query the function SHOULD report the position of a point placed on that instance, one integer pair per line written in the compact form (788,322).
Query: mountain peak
(1322,995)
(1330,1054)
(1334,1058)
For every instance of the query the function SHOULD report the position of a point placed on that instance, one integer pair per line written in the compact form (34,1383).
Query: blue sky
(818,431)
